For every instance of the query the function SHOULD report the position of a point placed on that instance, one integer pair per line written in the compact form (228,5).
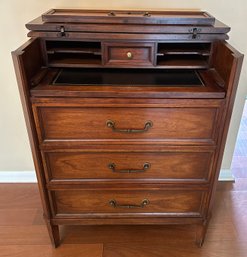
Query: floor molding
(18,177)
(30,176)
(226,175)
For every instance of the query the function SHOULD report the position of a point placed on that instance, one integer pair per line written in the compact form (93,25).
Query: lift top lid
(129,17)
(165,24)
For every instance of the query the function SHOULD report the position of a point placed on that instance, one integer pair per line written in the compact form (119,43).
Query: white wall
(233,13)
(14,147)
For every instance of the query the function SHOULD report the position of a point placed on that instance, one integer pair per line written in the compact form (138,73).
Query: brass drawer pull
(114,204)
(129,55)
(146,166)
(111,124)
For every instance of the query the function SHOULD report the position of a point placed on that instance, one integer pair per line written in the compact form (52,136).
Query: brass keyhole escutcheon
(129,55)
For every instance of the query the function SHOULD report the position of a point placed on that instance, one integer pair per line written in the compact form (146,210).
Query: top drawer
(128,54)
(105,124)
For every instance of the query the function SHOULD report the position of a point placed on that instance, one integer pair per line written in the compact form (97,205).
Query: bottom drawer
(167,202)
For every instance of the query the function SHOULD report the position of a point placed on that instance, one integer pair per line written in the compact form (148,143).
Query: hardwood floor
(23,233)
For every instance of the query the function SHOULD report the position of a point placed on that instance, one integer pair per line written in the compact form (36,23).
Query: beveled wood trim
(53,204)
(120,147)
(79,143)
(39,125)
(55,183)
(217,123)
(126,221)
(128,36)
(126,148)
(128,215)
(114,92)
(91,185)
(47,168)
(123,102)
(38,25)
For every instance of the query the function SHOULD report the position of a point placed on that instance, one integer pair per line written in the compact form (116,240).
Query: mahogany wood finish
(129,54)
(67,165)
(38,25)
(159,203)
(70,123)
(25,70)
(106,16)
(119,147)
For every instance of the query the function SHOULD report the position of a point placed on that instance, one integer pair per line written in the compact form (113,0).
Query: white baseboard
(226,175)
(18,177)
(30,176)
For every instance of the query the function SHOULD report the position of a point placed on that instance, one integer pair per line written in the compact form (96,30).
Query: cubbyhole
(183,55)
(76,53)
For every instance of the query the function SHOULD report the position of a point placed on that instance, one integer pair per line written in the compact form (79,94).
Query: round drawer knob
(129,55)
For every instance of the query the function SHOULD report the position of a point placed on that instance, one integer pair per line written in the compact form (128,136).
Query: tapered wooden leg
(201,230)
(53,231)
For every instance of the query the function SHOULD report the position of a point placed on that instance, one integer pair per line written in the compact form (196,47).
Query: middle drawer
(186,165)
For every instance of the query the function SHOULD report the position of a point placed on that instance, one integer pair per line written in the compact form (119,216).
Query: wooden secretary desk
(127,114)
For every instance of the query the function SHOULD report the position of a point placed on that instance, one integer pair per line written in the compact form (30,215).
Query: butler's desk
(127,114)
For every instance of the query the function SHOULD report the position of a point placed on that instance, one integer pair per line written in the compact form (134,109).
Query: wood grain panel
(173,203)
(63,123)
(169,166)
(140,54)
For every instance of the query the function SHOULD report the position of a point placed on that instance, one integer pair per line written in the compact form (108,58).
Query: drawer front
(107,124)
(128,54)
(169,165)
(173,202)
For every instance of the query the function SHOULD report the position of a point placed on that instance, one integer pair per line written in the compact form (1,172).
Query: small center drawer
(128,54)
(166,202)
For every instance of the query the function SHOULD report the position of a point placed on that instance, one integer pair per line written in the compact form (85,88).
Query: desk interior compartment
(183,55)
(78,53)
(128,77)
